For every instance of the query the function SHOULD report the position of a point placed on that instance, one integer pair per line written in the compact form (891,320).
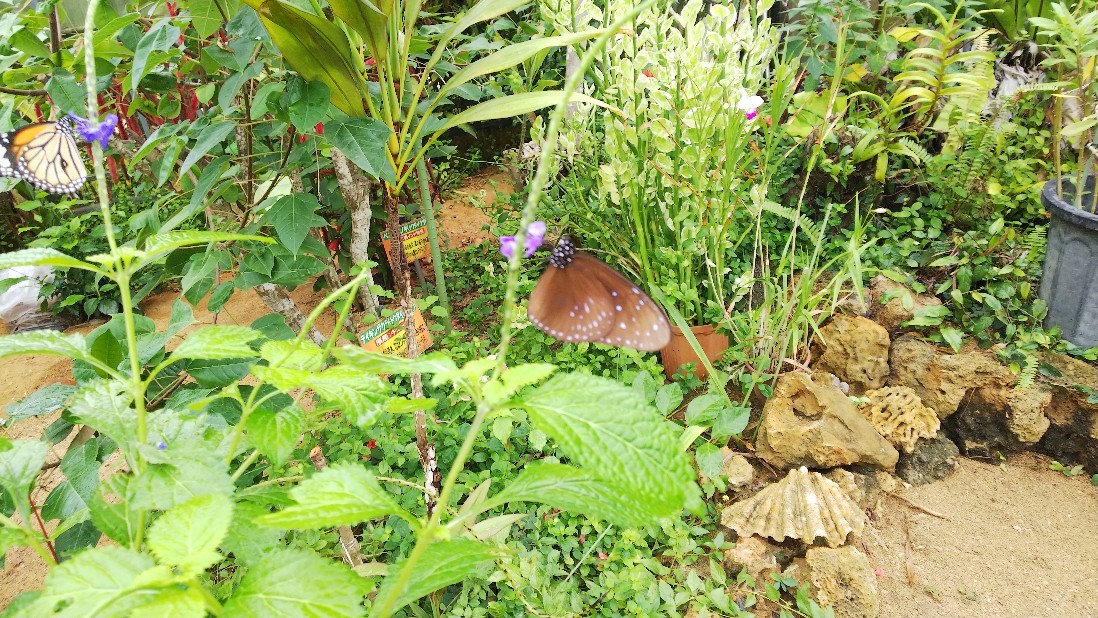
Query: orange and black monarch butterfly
(46,155)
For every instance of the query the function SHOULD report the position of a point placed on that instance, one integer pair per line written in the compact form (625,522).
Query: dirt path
(1021,541)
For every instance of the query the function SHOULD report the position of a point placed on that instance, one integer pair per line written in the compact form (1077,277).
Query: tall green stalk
(428,205)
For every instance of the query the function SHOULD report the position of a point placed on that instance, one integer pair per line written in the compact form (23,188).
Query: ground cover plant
(750,169)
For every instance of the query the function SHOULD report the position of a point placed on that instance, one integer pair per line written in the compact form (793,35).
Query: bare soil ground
(1020,541)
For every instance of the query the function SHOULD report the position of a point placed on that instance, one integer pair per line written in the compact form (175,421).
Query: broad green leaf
(276,434)
(703,409)
(162,35)
(365,142)
(309,103)
(218,342)
(72,495)
(317,49)
(304,354)
(20,462)
(954,337)
(360,397)
(297,582)
(163,486)
(710,460)
(105,406)
(187,536)
(98,583)
(513,105)
(161,244)
(572,489)
(173,602)
(292,217)
(42,401)
(611,432)
(367,19)
(668,398)
(42,256)
(516,378)
(65,93)
(513,55)
(342,495)
(372,362)
(218,373)
(247,540)
(205,17)
(207,140)
(442,564)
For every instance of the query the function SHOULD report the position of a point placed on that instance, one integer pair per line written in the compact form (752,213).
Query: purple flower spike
(535,234)
(92,132)
(161,446)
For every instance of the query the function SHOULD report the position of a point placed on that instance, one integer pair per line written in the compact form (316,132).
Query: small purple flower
(750,106)
(96,132)
(535,233)
(161,446)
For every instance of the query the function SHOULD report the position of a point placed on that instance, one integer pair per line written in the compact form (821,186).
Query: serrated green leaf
(372,362)
(703,409)
(668,397)
(516,378)
(173,602)
(105,406)
(296,582)
(217,343)
(611,432)
(710,460)
(20,462)
(45,342)
(361,398)
(97,583)
(276,434)
(341,495)
(81,468)
(42,401)
(292,217)
(365,142)
(303,355)
(218,373)
(401,405)
(162,486)
(187,536)
(442,564)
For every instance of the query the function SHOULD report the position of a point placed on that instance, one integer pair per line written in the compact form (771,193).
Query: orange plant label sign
(414,236)
(387,336)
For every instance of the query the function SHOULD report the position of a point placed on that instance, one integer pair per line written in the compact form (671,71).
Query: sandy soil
(1020,541)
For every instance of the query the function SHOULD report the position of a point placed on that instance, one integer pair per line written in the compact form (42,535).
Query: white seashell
(804,505)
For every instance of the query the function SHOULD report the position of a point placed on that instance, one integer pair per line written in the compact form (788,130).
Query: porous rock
(899,415)
(754,554)
(811,423)
(865,489)
(804,505)
(1072,437)
(738,471)
(892,304)
(841,578)
(997,421)
(856,350)
(942,380)
(933,459)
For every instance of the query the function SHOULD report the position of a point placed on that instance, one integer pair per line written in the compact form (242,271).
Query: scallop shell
(804,505)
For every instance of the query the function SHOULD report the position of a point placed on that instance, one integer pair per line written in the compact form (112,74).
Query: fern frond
(914,150)
(1028,373)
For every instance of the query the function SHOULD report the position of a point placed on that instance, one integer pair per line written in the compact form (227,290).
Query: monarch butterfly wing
(636,321)
(569,306)
(45,155)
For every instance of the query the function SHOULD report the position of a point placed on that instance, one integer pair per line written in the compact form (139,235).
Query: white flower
(750,105)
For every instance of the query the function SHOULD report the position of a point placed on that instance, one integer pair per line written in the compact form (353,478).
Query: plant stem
(244,465)
(428,206)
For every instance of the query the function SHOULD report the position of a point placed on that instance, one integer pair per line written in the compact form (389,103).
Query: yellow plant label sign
(414,236)
(387,336)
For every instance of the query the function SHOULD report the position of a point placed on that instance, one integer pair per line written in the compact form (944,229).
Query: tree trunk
(355,189)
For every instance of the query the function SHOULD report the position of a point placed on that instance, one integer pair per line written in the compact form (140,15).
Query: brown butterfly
(580,298)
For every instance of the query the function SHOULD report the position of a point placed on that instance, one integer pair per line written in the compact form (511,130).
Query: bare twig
(917,507)
(347,540)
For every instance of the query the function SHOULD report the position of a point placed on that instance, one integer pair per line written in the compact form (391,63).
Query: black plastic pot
(1070,281)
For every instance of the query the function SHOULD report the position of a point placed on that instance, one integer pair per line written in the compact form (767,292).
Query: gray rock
(932,460)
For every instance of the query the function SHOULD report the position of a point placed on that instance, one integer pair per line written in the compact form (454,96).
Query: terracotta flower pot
(679,351)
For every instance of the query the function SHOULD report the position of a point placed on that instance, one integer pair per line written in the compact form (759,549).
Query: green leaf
(276,434)
(953,337)
(342,495)
(292,216)
(442,564)
(173,602)
(516,378)
(73,494)
(309,103)
(66,94)
(217,343)
(210,137)
(668,397)
(205,17)
(98,583)
(105,406)
(42,256)
(731,421)
(161,36)
(372,362)
(513,105)
(218,373)
(368,20)
(703,409)
(365,142)
(159,245)
(44,342)
(611,432)
(710,460)
(42,401)
(293,354)
(163,486)
(296,582)
(572,489)
(20,462)
(187,536)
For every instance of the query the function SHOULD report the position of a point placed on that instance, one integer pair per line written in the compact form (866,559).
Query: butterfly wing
(569,306)
(636,321)
(587,300)
(45,155)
